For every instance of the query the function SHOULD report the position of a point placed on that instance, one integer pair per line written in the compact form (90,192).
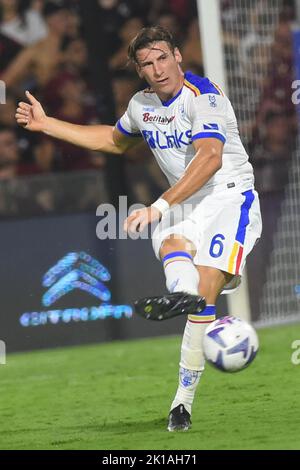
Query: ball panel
(230,344)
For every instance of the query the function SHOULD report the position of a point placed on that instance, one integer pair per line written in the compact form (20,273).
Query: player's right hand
(31,116)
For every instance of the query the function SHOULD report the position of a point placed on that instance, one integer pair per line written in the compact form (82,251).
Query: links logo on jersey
(162,140)
(76,271)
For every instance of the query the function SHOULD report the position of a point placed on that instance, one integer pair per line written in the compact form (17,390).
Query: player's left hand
(138,219)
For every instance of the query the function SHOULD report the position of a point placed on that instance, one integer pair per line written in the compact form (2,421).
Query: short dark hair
(146,37)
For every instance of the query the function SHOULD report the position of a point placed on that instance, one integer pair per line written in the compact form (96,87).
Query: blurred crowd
(260,60)
(45,47)
(261,65)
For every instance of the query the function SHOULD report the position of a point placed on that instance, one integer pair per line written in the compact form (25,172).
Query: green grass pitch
(117,396)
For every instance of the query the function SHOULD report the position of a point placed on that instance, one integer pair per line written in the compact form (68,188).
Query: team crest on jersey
(212,101)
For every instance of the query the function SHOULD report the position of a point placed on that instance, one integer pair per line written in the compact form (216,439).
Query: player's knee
(176,243)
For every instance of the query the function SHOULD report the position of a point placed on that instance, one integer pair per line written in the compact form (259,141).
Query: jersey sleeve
(126,124)
(208,117)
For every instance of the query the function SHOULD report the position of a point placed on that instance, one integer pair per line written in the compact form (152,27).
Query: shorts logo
(76,271)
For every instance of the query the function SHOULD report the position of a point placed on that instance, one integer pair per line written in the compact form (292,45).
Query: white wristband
(162,205)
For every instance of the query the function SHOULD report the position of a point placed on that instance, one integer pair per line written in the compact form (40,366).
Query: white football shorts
(223,226)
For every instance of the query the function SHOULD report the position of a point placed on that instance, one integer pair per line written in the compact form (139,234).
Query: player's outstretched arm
(97,137)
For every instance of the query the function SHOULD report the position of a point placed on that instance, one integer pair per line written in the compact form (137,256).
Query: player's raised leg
(182,281)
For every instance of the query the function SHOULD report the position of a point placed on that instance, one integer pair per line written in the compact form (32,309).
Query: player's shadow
(123,427)
(117,427)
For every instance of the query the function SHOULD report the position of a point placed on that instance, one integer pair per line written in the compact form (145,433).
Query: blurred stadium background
(74,60)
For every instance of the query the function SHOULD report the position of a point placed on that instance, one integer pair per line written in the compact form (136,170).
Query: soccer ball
(230,344)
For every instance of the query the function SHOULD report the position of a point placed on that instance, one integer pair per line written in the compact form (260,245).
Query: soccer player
(191,128)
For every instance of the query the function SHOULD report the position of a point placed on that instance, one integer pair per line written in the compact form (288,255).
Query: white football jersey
(199,110)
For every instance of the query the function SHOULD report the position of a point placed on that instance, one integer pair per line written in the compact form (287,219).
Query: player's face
(160,67)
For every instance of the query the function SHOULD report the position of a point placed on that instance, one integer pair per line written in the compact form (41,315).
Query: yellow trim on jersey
(192,87)
(218,88)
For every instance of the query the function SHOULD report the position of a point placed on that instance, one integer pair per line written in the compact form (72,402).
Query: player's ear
(177,55)
(139,71)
